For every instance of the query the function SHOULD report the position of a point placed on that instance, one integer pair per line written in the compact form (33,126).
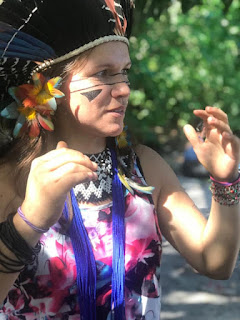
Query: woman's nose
(121,89)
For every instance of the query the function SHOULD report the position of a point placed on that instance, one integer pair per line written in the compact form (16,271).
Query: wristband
(39,230)
(226,193)
(15,243)
(226,183)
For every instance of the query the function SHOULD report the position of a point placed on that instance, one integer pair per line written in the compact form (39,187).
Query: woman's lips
(118,111)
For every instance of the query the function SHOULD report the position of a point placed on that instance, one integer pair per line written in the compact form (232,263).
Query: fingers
(217,113)
(61,169)
(231,145)
(218,124)
(71,180)
(53,153)
(192,135)
(217,130)
(61,156)
(58,181)
(61,144)
(61,148)
(68,157)
(81,172)
(211,111)
(214,118)
(71,174)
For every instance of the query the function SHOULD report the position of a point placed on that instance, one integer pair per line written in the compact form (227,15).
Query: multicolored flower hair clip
(33,105)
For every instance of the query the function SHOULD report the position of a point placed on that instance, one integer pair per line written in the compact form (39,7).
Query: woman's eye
(101,73)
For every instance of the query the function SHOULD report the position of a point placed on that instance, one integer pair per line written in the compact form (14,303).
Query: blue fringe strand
(118,231)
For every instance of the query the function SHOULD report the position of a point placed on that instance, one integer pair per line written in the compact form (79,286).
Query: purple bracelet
(226,184)
(39,230)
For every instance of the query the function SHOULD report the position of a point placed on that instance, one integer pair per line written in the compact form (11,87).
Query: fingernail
(95,176)
(211,119)
(92,175)
(95,165)
(227,135)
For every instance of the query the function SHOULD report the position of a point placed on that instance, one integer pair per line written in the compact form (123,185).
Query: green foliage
(154,8)
(182,62)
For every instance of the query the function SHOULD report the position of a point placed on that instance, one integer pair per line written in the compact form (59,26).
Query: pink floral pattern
(48,290)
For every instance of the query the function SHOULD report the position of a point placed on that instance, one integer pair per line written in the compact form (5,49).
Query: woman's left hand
(219,151)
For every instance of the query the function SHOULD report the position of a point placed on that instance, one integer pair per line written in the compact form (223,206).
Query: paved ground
(190,296)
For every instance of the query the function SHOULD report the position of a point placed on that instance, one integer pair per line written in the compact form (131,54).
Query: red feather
(121,29)
(46,123)
(34,129)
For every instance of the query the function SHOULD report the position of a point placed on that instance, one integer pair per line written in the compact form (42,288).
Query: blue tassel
(85,261)
(118,229)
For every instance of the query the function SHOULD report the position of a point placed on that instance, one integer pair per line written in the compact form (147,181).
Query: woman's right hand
(50,179)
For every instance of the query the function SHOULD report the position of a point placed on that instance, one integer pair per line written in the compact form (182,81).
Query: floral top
(48,290)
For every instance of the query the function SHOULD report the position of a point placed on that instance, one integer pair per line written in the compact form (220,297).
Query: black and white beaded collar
(101,189)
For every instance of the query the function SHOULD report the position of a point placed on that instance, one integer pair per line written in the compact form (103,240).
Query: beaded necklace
(101,189)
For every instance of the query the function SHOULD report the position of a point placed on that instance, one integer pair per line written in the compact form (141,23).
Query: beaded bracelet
(226,193)
(39,230)
(15,243)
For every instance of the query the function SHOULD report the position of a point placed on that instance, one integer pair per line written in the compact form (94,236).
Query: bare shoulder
(8,196)
(156,171)
(153,165)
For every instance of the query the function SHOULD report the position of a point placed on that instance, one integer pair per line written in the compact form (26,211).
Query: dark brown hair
(23,150)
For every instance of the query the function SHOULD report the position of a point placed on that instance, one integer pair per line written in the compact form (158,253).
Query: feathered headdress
(35,34)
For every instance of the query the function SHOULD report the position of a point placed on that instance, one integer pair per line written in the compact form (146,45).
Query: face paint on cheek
(91,95)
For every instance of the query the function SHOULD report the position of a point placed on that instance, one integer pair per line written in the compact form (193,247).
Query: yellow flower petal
(29,113)
(43,97)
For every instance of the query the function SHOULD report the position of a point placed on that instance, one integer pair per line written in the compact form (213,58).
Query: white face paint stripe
(111,75)
(98,85)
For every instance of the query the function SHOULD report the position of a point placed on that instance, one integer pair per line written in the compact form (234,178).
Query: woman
(103,261)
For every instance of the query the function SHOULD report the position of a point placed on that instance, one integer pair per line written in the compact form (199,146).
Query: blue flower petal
(10,112)
(59,95)
(58,83)
(12,91)
(20,122)
(52,104)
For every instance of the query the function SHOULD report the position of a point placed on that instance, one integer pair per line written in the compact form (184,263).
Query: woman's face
(99,91)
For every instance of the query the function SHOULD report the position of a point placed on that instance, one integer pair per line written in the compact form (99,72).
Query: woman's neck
(81,141)
(87,145)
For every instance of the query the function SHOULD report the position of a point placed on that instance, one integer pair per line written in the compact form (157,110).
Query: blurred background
(186,55)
